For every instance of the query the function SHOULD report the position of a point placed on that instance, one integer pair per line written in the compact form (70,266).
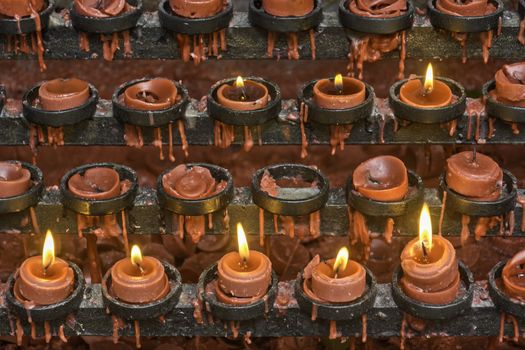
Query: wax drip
(475,108)
(521,202)
(137,334)
(506,318)
(315,224)
(314,312)
(490,132)
(197,310)
(19,332)
(55,137)
(234,326)
(201,50)
(442,213)
(521,32)
(47,332)
(486,43)
(292,43)
(483,224)
(125,232)
(465,220)
(224,134)
(116,327)
(389,230)
(359,232)
(110,44)
(288,225)
(384,112)
(402,335)
(333,334)
(261,227)
(338,135)
(248,139)
(95,270)
(303,118)
(61,334)
(157,142)
(33,330)
(133,136)
(364,333)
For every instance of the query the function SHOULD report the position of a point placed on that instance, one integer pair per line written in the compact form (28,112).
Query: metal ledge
(150,41)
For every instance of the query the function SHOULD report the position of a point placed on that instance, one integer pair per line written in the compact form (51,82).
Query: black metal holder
(430,311)
(521,8)
(145,118)
(108,25)
(191,26)
(503,301)
(35,114)
(245,118)
(28,199)
(290,207)
(336,116)
(374,25)
(259,18)
(51,312)
(367,206)
(434,115)
(27,24)
(149,310)
(465,24)
(468,206)
(506,112)
(102,206)
(227,312)
(203,206)
(338,311)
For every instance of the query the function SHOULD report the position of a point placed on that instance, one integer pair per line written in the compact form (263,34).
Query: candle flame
(429,80)
(425,228)
(48,252)
(136,256)
(341,260)
(244,251)
(338,82)
(239,82)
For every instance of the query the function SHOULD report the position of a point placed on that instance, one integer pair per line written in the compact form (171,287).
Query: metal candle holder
(259,18)
(108,25)
(375,25)
(434,115)
(30,197)
(35,114)
(496,109)
(336,116)
(145,311)
(101,206)
(26,25)
(227,312)
(465,24)
(153,118)
(337,311)
(431,311)
(41,313)
(502,300)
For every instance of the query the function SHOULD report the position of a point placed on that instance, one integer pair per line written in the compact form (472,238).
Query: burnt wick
(424,249)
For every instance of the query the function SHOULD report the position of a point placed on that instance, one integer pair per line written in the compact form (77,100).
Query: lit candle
(44,279)
(430,268)
(243,276)
(14,179)
(513,276)
(139,279)
(243,95)
(339,93)
(431,93)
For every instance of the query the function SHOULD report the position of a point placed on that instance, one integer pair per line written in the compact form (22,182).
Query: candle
(191,182)
(474,175)
(430,268)
(338,280)
(295,8)
(243,276)
(196,8)
(341,93)
(97,183)
(20,8)
(430,94)
(510,84)
(62,94)
(243,95)
(101,9)
(378,8)
(513,275)
(44,279)
(14,179)
(470,8)
(382,178)
(151,95)
(139,279)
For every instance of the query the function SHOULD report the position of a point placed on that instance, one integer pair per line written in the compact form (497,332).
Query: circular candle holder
(336,116)
(151,118)
(107,25)
(191,26)
(245,118)
(412,202)
(27,24)
(506,112)
(434,115)
(145,311)
(468,206)
(465,24)
(375,25)
(35,114)
(290,206)
(286,24)
(502,300)
(431,311)
(228,312)
(98,207)
(338,311)
(201,206)
(41,313)
(30,197)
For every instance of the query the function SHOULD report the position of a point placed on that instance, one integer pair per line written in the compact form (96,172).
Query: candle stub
(510,84)
(197,8)
(14,179)
(378,8)
(382,178)
(341,93)
(194,182)
(20,8)
(288,188)
(467,8)
(101,9)
(293,8)
(243,95)
(62,94)
(513,276)
(151,95)
(97,183)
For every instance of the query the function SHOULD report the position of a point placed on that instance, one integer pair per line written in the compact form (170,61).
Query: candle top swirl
(466,8)
(97,183)
(378,8)
(510,84)
(194,182)
(102,8)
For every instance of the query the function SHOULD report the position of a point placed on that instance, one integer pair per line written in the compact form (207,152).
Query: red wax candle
(14,179)
(243,95)
(282,8)
(151,95)
(197,8)
(513,276)
(343,92)
(61,94)
(510,84)
(194,182)
(430,94)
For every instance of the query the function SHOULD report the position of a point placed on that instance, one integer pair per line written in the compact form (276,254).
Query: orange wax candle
(341,93)
(243,95)
(430,94)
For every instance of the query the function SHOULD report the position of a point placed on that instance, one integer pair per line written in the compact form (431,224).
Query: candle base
(465,24)
(501,299)
(145,311)
(41,313)
(28,199)
(337,311)
(260,18)
(193,26)
(100,207)
(108,25)
(376,25)
(496,109)
(27,24)
(227,312)
(432,311)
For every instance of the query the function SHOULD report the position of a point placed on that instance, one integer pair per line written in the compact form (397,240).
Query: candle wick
(244,263)
(425,254)
(243,94)
(140,268)
(474,154)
